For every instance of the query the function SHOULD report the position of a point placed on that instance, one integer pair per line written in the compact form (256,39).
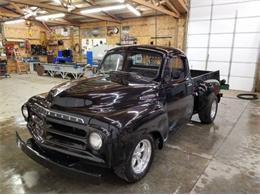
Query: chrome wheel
(213,109)
(141,156)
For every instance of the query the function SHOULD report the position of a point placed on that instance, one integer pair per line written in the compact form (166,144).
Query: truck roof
(166,50)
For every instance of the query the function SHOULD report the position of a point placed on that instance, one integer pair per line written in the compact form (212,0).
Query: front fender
(153,120)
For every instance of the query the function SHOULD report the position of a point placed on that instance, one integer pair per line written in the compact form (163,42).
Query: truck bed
(199,76)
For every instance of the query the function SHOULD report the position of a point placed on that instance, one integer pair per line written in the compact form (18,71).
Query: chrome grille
(66,135)
(60,128)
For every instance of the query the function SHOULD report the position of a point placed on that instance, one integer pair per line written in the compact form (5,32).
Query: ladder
(21,66)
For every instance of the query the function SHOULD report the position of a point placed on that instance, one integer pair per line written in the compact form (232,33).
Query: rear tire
(209,112)
(129,170)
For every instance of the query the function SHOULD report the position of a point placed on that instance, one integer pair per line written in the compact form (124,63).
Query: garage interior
(223,157)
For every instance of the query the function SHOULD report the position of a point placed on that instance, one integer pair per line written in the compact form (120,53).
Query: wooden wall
(144,29)
(21,31)
(33,35)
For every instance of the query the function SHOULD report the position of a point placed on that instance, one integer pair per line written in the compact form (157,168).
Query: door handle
(189,84)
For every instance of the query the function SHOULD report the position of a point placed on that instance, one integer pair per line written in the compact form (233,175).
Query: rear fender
(213,85)
(203,91)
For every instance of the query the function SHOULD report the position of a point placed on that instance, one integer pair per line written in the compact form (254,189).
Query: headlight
(25,112)
(95,140)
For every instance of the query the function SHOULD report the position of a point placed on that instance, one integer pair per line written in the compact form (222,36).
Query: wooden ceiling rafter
(156,7)
(12,10)
(170,6)
(62,9)
(180,5)
(17,8)
(8,13)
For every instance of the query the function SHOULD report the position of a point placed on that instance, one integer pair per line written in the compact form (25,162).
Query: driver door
(178,90)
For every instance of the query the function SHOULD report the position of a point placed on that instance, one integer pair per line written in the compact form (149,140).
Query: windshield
(144,63)
(112,62)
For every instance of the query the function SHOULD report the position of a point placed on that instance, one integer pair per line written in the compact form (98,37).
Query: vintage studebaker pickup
(117,119)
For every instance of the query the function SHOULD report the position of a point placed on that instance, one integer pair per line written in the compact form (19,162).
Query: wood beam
(170,6)
(13,11)
(61,9)
(180,5)
(158,8)
(3,3)
(56,22)
(17,8)
(43,24)
(73,22)
(7,13)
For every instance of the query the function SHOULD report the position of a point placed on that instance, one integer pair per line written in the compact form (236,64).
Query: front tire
(208,114)
(139,161)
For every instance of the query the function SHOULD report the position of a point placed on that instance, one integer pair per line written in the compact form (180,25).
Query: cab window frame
(185,69)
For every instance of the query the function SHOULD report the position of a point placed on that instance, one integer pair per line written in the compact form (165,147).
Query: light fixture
(120,1)
(51,16)
(100,9)
(15,21)
(111,8)
(57,2)
(133,10)
(71,7)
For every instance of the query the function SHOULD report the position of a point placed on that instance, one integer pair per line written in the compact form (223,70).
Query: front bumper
(59,162)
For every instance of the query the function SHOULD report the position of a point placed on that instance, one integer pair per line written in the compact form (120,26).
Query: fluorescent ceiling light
(133,10)
(15,21)
(33,8)
(51,16)
(101,9)
(79,5)
(57,2)
(110,8)
(71,7)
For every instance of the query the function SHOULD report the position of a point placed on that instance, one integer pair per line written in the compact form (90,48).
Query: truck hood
(103,95)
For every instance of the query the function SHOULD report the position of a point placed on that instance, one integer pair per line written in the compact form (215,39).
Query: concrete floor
(220,158)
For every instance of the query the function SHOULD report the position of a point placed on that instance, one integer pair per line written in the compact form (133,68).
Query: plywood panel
(144,29)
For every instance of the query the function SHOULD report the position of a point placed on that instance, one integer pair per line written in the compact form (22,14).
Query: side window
(177,68)
(145,64)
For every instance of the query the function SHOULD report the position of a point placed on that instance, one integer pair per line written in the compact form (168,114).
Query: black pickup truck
(116,120)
